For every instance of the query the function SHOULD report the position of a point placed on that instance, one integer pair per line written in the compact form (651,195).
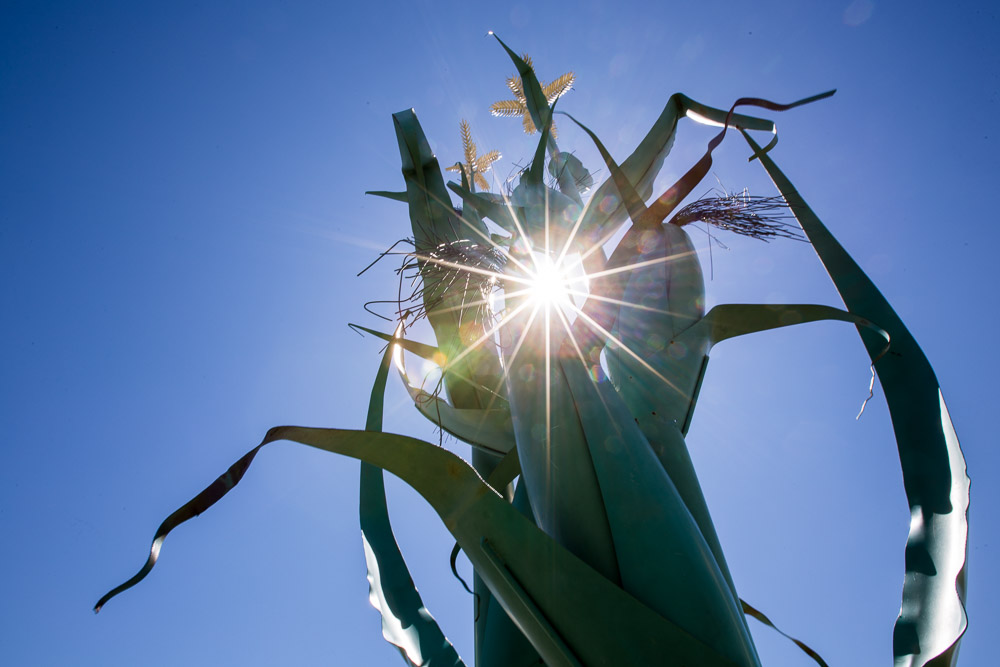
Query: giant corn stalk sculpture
(603,552)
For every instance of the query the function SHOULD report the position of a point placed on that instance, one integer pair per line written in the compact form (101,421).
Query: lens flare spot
(677,350)
(648,241)
(526,373)
(656,342)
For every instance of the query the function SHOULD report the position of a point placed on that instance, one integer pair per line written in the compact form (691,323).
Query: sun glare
(548,286)
(561,284)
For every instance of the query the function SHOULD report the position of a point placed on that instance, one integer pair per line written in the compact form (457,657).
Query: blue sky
(182,217)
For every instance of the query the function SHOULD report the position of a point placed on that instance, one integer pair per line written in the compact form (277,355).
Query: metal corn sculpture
(604,552)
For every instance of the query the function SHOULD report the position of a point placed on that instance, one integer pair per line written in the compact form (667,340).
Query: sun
(549,283)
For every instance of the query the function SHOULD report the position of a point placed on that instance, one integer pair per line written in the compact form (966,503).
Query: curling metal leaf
(932,617)
(548,591)
(406,623)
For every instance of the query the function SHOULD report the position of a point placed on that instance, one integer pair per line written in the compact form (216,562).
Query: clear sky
(182,217)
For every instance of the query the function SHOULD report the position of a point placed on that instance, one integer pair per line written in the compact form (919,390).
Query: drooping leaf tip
(104,600)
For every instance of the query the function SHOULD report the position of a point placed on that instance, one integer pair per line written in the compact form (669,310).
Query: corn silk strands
(762,218)
(428,276)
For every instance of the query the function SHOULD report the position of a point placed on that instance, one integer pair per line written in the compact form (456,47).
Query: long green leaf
(395,196)
(535,173)
(406,623)
(633,202)
(681,357)
(759,615)
(932,617)
(422,350)
(211,495)
(550,593)
(730,320)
